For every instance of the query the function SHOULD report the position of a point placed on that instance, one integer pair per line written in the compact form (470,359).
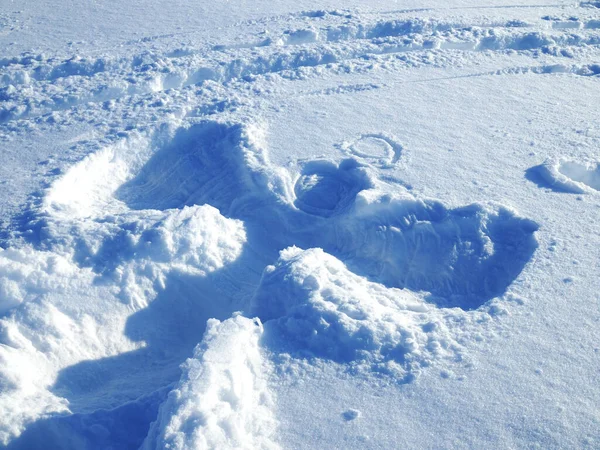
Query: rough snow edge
(221,401)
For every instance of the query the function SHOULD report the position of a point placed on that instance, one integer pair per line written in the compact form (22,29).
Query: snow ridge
(222,400)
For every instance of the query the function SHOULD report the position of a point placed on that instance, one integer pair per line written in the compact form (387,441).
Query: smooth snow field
(290,225)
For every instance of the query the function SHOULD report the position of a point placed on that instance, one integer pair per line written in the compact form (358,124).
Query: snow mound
(315,306)
(222,400)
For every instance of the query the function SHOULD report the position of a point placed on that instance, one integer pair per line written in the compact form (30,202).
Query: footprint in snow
(567,176)
(351,415)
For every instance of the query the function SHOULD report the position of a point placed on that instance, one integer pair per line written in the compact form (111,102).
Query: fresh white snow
(222,400)
(288,225)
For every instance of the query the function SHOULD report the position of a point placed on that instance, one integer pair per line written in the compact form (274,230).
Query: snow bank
(222,400)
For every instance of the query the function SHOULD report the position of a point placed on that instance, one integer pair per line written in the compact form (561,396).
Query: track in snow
(33,85)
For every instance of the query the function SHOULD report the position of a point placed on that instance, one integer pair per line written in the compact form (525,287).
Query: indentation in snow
(351,414)
(325,189)
(463,256)
(567,176)
(377,149)
(176,227)
(205,163)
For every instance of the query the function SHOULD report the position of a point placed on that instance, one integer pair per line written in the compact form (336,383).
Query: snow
(222,400)
(568,176)
(313,304)
(289,225)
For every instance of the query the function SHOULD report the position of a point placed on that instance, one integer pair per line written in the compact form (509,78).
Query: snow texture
(263,226)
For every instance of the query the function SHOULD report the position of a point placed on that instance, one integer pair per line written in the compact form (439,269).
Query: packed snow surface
(283,225)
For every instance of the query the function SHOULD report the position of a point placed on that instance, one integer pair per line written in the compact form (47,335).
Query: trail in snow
(33,85)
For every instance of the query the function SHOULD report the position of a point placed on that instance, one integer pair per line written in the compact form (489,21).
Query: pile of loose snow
(313,305)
